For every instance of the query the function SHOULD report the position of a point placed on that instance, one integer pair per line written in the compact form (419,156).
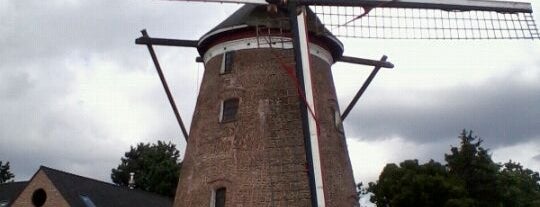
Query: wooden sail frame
(449,5)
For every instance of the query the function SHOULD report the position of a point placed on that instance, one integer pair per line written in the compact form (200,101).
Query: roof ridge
(100,181)
(80,176)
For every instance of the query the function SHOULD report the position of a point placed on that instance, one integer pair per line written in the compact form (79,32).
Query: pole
(165,86)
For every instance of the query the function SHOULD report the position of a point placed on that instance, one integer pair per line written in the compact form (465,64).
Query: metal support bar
(166,42)
(362,89)
(363,61)
(165,86)
(448,5)
(293,18)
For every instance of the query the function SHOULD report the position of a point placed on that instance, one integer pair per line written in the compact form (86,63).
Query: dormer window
(229,109)
(227,62)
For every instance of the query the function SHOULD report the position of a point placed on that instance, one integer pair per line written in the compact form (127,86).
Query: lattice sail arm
(448,5)
(385,21)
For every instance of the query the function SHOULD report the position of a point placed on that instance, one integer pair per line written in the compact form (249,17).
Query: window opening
(227,62)
(39,197)
(229,109)
(219,197)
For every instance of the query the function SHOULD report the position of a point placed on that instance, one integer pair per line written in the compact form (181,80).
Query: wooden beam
(166,42)
(362,90)
(297,19)
(362,61)
(165,85)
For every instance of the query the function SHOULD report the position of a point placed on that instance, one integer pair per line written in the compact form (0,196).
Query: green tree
(519,187)
(469,179)
(156,167)
(411,184)
(5,174)
(472,164)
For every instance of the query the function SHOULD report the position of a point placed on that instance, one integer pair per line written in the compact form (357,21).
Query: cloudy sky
(76,92)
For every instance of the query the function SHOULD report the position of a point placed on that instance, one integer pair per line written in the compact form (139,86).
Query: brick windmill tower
(267,128)
(246,142)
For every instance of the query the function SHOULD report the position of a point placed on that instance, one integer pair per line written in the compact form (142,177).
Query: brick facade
(40,181)
(260,157)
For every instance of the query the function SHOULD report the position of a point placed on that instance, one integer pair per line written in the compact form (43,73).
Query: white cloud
(369,157)
(523,153)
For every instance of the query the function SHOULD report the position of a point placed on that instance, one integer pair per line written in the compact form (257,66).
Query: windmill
(267,127)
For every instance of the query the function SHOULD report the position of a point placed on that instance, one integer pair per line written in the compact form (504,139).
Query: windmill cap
(245,19)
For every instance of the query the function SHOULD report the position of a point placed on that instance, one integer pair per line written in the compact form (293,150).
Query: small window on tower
(219,197)
(229,108)
(227,62)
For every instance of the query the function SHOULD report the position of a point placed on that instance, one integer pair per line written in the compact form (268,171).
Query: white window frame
(213,198)
(221,110)
(223,61)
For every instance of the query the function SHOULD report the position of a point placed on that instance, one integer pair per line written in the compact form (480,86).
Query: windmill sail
(421,19)
(462,5)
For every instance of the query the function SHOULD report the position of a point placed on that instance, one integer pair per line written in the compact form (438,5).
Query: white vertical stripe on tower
(314,137)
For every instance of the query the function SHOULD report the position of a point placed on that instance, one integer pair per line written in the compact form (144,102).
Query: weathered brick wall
(40,180)
(338,179)
(260,157)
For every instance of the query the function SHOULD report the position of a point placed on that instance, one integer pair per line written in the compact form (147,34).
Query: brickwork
(260,156)
(40,181)
(338,179)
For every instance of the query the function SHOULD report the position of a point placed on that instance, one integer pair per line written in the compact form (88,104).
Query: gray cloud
(57,108)
(13,85)
(537,157)
(502,110)
(75,89)
(40,30)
